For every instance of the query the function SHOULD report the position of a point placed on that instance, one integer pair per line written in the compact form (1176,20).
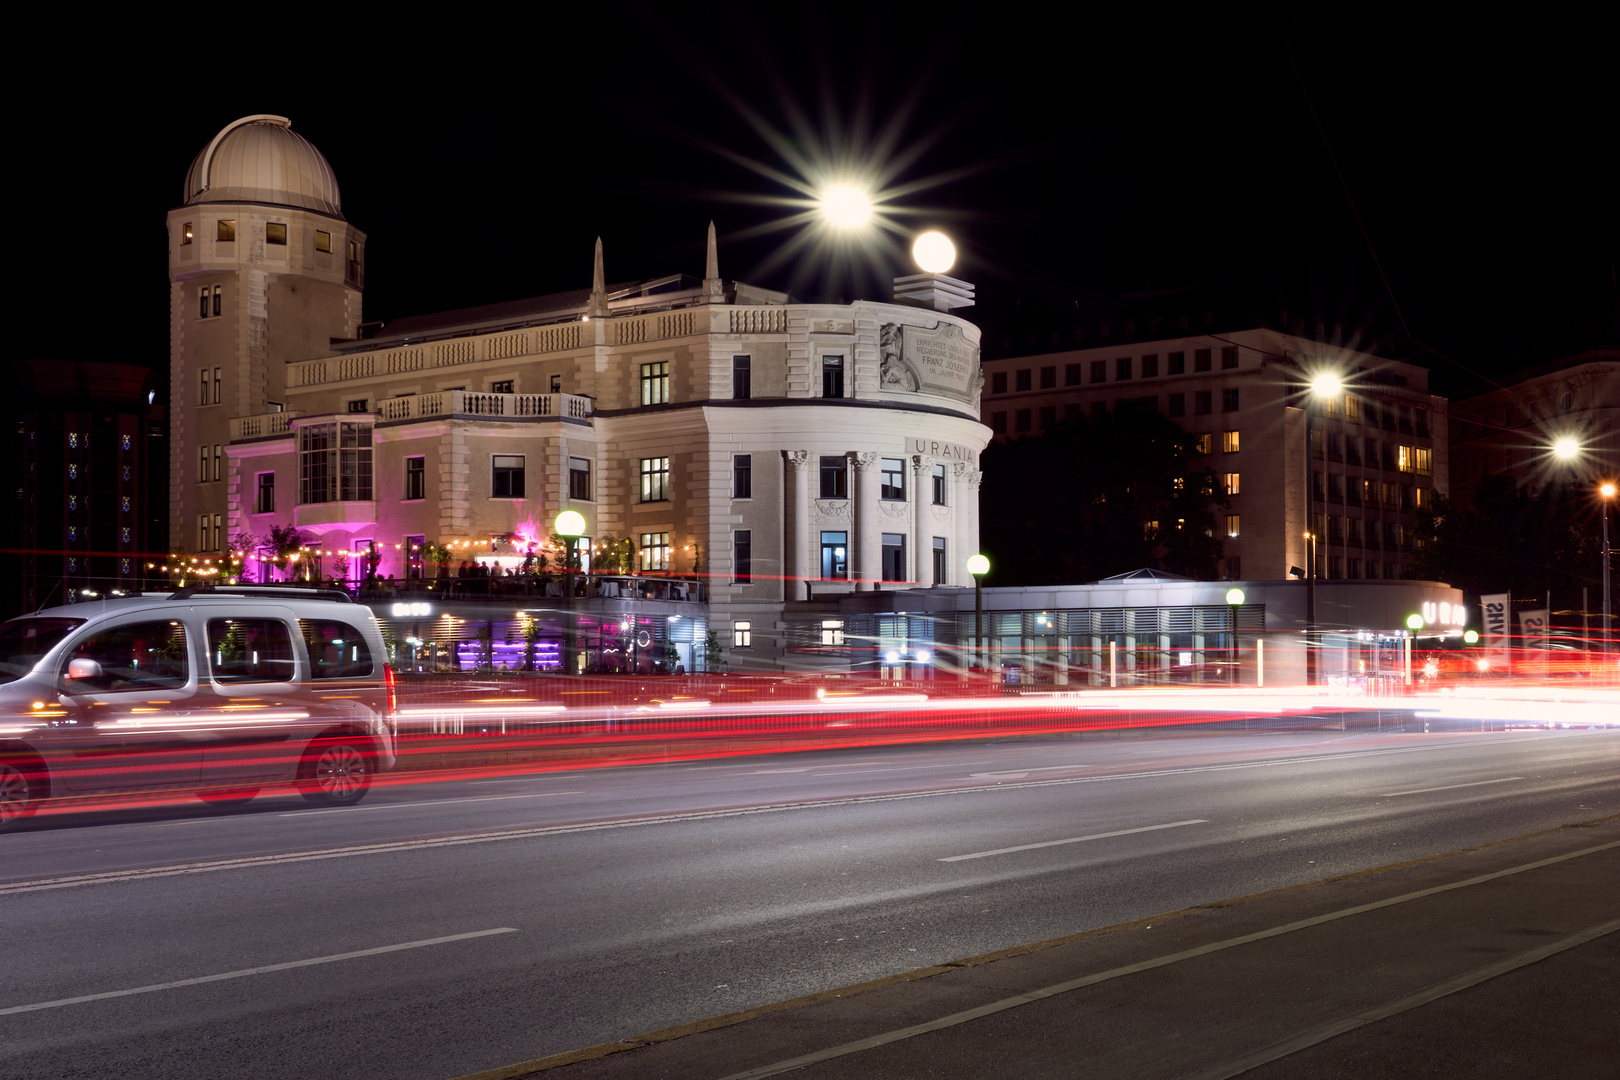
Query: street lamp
(1606,490)
(1324,385)
(978,566)
(570,525)
(1234,598)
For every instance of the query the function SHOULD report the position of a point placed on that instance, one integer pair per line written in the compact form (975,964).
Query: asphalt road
(438,929)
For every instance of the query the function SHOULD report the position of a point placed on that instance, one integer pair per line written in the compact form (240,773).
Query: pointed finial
(714,290)
(598,303)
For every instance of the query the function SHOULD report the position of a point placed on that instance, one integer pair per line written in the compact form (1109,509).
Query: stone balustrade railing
(263,426)
(428,406)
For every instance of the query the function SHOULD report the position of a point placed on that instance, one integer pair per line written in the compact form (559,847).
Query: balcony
(470,403)
(622,587)
(263,426)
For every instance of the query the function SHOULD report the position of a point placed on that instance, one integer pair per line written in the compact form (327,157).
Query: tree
(1090,498)
(281,544)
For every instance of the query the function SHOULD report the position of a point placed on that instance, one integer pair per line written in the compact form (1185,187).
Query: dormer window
(226,232)
(275,232)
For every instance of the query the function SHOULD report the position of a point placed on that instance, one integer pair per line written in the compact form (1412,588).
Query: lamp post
(570,525)
(1323,386)
(978,566)
(1607,491)
(1234,598)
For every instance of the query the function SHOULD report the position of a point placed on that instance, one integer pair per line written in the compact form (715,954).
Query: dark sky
(1072,157)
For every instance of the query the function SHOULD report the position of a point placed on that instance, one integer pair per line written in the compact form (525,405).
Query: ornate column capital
(798,459)
(865,459)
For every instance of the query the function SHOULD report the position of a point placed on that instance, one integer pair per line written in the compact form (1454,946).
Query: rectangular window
(1021,420)
(358,405)
(894,478)
(579,478)
(202,398)
(1352,409)
(1229,400)
(940,488)
(185,234)
(1404,459)
(655,383)
(416,478)
(834,477)
(323,240)
(250,650)
(835,556)
(832,631)
(503,386)
(1201,358)
(1229,357)
(1048,378)
(1023,379)
(202,532)
(1150,365)
(219,294)
(275,232)
(941,565)
(219,395)
(1122,368)
(1421,499)
(354,251)
(742,546)
(1229,442)
(1177,405)
(202,465)
(742,377)
(894,556)
(1071,374)
(655,551)
(998,423)
(1176,363)
(219,532)
(742,476)
(998,383)
(218,462)
(1233,525)
(1230,482)
(506,476)
(832,376)
(654,479)
(556,384)
(334,463)
(1203,402)
(742,634)
(1099,371)
(202,302)
(415,555)
(1204,443)
(225,232)
(265,502)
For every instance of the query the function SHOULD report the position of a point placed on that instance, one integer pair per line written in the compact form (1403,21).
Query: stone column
(866,542)
(798,523)
(921,534)
(964,541)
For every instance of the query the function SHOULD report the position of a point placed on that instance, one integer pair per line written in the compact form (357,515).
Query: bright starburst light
(847,207)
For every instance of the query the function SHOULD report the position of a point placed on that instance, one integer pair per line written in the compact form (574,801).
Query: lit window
(1233,525)
(1423,460)
(834,477)
(579,478)
(1230,483)
(1403,458)
(654,479)
(185,234)
(832,631)
(835,556)
(506,476)
(1204,443)
(894,479)
(323,240)
(655,551)
(742,547)
(1229,442)
(225,232)
(275,232)
(742,634)
(1150,530)
(655,383)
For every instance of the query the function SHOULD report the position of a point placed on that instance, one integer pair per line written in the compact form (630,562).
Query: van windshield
(23,642)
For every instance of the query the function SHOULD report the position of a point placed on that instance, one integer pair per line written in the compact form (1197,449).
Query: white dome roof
(262,159)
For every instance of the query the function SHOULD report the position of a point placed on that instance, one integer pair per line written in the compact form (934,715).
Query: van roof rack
(263,592)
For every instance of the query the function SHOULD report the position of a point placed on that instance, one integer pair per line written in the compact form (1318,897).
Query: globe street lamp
(570,525)
(1324,386)
(978,566)
(1234,598)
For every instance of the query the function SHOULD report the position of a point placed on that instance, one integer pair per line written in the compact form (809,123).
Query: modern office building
(1377,446)
(762,457)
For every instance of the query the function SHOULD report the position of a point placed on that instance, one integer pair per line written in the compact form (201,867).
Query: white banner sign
(1497,628)
(1533,628)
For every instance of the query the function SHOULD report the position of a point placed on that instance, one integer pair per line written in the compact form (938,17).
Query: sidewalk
(1502,961)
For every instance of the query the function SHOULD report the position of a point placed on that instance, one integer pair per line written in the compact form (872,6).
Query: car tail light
(393,692)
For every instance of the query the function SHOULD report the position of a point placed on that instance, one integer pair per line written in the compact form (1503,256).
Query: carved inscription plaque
(945,361)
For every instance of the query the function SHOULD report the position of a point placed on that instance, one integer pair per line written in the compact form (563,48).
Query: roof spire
(714,290)
(598,307)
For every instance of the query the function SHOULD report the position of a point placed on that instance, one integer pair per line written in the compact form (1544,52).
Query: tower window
(185,234)
(275,232)
(832,376)
(226,232)
(323,240)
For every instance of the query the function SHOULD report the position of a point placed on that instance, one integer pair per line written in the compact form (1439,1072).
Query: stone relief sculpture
(895,371)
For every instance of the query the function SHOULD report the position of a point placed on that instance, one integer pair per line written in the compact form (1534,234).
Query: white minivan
(217,691)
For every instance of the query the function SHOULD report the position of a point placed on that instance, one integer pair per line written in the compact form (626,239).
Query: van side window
(134,657)
(336,649)
(250,650)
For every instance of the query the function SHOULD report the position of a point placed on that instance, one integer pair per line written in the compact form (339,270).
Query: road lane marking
(1448,787)
(1073,840)
(435,802)
(244,972)
(956,1019)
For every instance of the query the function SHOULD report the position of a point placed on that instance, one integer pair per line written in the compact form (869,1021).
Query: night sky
(1072,159)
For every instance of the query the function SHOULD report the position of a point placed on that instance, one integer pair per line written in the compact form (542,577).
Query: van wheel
(230,797)
(20,786)
(336,772)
